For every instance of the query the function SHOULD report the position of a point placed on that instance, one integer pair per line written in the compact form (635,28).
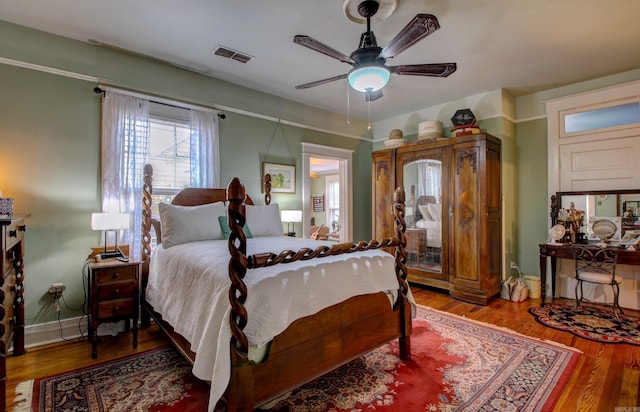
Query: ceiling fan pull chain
(369,107)
(348,107)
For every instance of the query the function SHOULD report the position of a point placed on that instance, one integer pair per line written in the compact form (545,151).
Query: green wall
(318,187)
(50,139)
(49,163)
(533,207)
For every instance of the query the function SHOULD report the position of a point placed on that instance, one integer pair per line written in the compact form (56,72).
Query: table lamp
(107,222)
(289,217)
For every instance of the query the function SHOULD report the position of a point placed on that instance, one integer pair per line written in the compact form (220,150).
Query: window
(433,173)
(169,153)
(610,116)
(429,178)
(181,143)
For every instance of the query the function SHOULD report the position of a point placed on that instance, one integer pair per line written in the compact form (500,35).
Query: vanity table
(597,205)
(563,251)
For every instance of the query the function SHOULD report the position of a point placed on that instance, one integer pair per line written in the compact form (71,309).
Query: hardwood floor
(607,377)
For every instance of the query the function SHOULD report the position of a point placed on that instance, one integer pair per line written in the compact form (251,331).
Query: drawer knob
(116,275)
(13,233)
(117,291)
(22,228)
(116,309)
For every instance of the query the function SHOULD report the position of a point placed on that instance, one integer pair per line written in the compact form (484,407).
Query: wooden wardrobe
(453,212)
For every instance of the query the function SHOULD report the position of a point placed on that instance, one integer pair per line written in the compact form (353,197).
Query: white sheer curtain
(205,157)
(429,179)
(126,149)
(125,146)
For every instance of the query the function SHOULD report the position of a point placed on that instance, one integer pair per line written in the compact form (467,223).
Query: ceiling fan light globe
(369,78)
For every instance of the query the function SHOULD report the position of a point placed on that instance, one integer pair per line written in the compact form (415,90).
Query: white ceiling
(323,165)
(521,46)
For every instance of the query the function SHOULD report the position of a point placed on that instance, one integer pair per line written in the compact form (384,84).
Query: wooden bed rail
(265,259)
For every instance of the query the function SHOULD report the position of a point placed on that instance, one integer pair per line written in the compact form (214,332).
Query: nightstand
(114,295)
(416,243)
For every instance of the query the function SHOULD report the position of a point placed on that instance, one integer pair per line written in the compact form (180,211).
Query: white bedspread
(434,231)
(189,286)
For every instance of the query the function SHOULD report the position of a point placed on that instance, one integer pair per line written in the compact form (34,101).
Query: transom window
(611,116)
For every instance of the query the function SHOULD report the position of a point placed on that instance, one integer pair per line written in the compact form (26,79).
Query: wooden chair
(597,266)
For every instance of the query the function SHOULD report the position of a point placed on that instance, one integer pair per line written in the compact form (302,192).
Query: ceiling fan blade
(433,70)
(314,44)
(323,81)
(373,96)
(421,26)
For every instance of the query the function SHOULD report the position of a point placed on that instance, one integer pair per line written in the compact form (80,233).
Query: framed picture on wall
(318,203)
(283,177)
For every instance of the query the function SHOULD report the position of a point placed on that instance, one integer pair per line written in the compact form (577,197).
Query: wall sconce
(107,222)
(289,217)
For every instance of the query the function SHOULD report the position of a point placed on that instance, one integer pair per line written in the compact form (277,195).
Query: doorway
(324,166)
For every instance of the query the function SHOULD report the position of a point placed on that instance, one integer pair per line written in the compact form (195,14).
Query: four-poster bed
(308,346)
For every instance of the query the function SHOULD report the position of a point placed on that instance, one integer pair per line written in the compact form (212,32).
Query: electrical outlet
(57,288)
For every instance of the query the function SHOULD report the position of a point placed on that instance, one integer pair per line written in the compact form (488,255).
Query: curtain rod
(101,90)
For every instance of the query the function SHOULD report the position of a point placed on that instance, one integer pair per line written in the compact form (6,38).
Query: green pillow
(224,226)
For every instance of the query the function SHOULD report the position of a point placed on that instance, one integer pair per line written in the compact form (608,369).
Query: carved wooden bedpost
(554,210)
(267,189)
(401,270)
(147,191)
(400,227)
(240,391)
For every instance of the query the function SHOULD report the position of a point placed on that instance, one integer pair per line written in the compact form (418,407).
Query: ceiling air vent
(224,51)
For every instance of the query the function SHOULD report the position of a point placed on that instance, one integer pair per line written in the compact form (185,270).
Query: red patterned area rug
(457,364)
(156,380)
(590,322)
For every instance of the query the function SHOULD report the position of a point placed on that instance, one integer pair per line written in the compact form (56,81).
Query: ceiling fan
(369,73)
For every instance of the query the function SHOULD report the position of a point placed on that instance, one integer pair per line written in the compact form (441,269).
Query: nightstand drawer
(113,308)
(115,290)
(13,233)
(115,274)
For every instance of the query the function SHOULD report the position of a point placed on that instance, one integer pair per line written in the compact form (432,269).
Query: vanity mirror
(610,216)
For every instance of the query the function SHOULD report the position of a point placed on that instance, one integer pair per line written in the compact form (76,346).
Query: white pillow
(424,210)
(264,220)
(435,210)
(182,224)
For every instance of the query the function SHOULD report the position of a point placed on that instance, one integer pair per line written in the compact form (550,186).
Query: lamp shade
(291,216)
(369,78)
(110,221)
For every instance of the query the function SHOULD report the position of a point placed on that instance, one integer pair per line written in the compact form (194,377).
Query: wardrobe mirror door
(422,181)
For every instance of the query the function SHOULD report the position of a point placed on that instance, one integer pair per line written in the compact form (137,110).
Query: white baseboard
(51,332)
(66,329)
